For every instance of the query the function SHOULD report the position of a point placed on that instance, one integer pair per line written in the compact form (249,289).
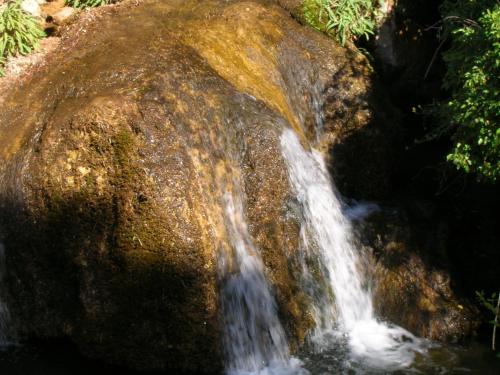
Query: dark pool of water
(474,358)
(64,359)
(54,358)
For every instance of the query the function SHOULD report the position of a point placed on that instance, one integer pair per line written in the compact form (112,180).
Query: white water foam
(347,314)
(254,338)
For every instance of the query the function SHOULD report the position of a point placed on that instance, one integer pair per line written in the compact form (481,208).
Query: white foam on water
(345,309)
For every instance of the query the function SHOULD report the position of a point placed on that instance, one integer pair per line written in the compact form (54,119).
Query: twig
(434,57)
(438,25)
(495,324)
(465,21)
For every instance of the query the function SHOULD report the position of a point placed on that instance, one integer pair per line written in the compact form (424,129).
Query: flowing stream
(343,305)
(255,341)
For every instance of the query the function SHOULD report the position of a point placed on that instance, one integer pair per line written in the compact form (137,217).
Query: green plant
(19,31)
(344,19)
(472,114)
(492,304)
(2,63)
(88,3)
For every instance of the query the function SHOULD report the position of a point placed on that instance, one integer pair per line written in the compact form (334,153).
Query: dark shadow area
(73,274)
(60,357)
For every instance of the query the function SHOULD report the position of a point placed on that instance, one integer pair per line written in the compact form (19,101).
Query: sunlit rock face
(114,160)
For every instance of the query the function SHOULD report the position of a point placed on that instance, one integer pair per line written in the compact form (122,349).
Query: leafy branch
(493,305)
(471,116)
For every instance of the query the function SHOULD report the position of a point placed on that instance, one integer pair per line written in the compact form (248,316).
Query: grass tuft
(343,19)
(20,32)
(88,3)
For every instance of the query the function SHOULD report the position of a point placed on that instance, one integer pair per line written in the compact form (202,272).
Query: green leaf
(20,32)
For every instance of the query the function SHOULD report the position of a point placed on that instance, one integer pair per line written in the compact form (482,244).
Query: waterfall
(254,338)
(343,304)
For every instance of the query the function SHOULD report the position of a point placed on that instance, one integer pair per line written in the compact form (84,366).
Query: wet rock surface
(114,157)
(412,284)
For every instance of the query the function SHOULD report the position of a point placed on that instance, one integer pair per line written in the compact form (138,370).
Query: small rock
(64,16)
(32,7)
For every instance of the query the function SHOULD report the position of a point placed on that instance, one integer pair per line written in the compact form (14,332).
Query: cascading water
(254,339)
(343,305)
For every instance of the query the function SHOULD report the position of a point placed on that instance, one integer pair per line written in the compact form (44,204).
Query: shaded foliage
(472,114)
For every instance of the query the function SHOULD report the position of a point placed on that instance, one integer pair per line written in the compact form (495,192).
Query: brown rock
(114,156)
(64,16)
(412,287)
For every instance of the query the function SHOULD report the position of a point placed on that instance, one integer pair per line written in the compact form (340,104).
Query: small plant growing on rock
(20,32)
(2,63)
(345,19)
(88,3)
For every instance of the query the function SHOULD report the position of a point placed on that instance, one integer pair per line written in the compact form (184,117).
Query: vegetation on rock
(88,3)
(20,32)
(2,63)
(344,19)
(472,114)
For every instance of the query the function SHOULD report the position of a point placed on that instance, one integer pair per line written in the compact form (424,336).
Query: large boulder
(115,154)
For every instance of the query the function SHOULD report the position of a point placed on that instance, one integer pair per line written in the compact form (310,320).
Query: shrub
(19,31)
(88,3)
(492,304)
(472,114)
(344,19)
